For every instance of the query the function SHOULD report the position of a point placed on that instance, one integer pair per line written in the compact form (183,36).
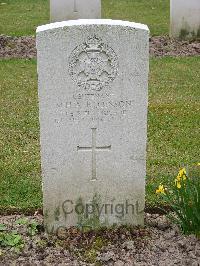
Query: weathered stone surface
(185,19)
(61,10)
(93,77)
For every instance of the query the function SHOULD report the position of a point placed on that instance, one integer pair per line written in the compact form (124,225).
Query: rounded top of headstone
(85,22)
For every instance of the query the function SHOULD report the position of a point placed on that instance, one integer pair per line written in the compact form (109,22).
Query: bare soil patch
(165,46)
(25,47)
(17,47)
(159,243)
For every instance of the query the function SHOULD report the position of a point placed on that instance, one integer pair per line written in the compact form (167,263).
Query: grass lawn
(21,17)
(20,178)
(173,119)
(154,13)
(173,127)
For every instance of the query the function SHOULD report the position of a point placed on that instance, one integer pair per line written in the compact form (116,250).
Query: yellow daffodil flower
(181,175)
(184,177)
(178,183)
(160,190)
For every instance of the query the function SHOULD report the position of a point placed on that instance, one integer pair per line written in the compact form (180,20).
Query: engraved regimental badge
(93,65)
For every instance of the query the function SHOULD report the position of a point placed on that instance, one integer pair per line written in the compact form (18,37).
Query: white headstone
(93,79)
(185,18)
(61,10)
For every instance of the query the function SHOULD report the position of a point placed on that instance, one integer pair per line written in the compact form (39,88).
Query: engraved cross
(75,6)
(94,148)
